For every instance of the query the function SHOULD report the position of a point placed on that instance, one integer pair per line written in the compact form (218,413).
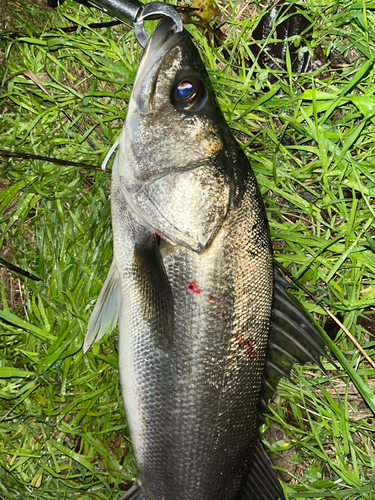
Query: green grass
(63,433)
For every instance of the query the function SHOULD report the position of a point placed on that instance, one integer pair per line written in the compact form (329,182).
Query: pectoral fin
(153,294)
(105,315)
(293,339)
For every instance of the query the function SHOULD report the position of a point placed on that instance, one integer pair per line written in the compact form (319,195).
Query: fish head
(176,154)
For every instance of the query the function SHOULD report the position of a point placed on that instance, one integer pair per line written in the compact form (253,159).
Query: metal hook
(151,10)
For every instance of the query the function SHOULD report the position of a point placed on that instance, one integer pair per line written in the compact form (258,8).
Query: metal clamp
(155,9)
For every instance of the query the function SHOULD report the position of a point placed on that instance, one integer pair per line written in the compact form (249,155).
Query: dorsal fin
(293,339)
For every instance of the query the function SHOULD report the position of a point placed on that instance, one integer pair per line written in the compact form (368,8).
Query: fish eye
(186,93)
(184,90)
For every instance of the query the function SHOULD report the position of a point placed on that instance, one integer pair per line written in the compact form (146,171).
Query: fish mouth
(162,40)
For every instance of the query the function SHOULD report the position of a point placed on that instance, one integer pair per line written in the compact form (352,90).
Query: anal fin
(135,493)
(106,312)
(261,482)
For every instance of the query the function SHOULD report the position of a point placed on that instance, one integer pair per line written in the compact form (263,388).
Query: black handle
(125,10)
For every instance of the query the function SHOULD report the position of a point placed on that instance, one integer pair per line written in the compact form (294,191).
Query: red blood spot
(194,287)
(211,298)
(248,343)
(250,348)
(238,338)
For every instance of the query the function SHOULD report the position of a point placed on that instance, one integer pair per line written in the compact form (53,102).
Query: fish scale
(192,284)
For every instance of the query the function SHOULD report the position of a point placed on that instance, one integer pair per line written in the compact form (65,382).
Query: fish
(206,329)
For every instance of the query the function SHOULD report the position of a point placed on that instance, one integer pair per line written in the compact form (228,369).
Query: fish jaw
(162,40)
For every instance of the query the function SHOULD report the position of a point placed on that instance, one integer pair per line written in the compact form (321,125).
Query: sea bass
(193,288)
